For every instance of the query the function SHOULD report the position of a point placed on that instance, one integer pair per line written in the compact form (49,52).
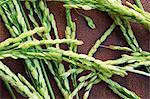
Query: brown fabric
(137,83)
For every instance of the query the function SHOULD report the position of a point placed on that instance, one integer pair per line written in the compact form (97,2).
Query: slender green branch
(101,40)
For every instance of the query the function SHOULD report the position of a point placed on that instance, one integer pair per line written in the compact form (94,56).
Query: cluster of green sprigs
(25,46)
(16,22)
(18,82)
(99,69)
(113,7)
(47,20)
(121,21)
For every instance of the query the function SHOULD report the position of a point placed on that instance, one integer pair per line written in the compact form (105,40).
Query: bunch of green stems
(9,88)
(16,22)
(44,17)
(26,44)
(19,83)
(114,7)
(47,20)
(135,60)
(55,53)
(95,81)
(127,32)
(94,49)
(85,62)
(70,33)
(12,43)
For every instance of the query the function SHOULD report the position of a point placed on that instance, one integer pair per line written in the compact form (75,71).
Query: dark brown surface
(137,83)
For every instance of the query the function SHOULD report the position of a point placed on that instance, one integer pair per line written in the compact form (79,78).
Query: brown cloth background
(137,83)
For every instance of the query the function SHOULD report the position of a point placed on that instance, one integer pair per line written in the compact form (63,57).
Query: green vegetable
(46,18)
(19,23)
(36,57)
(22,86)
(112,7)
